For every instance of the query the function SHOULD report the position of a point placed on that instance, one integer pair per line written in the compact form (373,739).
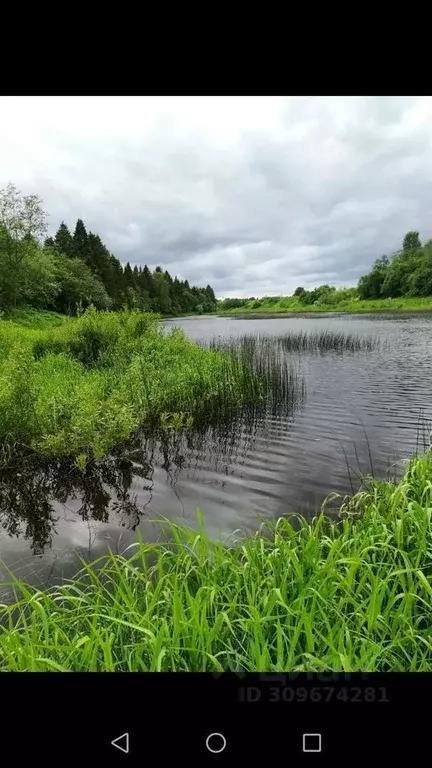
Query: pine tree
(64,241)
(147,282)
(117,288)
(128,276)
(136,278)
(211,295)
(80,239)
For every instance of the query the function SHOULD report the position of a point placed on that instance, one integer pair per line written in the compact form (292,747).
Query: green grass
(247,347)
(86,385)
(281,304)
(36,318)
(349,596)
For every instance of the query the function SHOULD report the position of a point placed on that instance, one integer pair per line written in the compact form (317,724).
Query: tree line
(74,269)
(408,272)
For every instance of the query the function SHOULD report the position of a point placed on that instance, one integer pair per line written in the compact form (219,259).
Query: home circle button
(216,743)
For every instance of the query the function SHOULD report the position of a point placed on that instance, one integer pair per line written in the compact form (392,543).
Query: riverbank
(347,596)
(80,386)
(292,305)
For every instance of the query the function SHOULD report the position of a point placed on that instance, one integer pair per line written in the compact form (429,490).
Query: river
(363,411)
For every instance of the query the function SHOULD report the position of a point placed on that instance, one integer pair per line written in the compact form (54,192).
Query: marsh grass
(267,356)
(349,596)
(88,384)
(280,380)
(328,341)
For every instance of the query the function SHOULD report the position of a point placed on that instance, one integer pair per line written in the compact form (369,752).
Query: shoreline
(326,311)
(306,596)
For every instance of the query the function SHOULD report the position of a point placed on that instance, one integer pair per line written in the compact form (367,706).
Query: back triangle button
(122,743)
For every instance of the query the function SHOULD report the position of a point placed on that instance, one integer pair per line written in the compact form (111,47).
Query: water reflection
(36,497)
(355,408)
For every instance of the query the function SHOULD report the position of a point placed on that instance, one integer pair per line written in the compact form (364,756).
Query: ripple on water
(362,410)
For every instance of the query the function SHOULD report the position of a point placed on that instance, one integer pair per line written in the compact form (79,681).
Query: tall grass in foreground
(317,596)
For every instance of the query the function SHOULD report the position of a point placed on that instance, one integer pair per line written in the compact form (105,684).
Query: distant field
(292,304)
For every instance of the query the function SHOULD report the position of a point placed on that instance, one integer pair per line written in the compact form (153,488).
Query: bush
(86,385)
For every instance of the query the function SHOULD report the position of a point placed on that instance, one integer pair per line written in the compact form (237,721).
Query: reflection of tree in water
(27,497)
(28,493)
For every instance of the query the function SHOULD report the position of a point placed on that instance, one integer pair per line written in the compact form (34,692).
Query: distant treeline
(322,296)
(75,269)
(407,272)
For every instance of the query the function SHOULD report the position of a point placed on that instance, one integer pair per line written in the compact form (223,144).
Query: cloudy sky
(255,195)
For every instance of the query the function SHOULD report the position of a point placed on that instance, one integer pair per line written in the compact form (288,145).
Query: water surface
(361,412)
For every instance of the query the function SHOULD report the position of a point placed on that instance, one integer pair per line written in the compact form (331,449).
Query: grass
(266,356)
(83,386)
(35,318)
(253,349)
(353,595)
(287,304)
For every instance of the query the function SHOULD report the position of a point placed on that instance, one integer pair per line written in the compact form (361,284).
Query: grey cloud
(313,197)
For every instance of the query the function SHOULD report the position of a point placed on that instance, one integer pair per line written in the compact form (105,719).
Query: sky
(254,195)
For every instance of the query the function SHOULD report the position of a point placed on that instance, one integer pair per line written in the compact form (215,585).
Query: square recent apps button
(311,742)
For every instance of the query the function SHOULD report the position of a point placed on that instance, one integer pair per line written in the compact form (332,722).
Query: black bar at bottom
(213,718)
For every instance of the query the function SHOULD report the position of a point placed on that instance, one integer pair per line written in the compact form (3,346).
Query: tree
(64,241)
(115,285)
(77,286)
(22,223)
(40,285)
(80,241)
(370,285)
(147,284)
(13,256)
(420,283)
(211,295)
(162,298)
(72,269)
(129,280)
(411,241)
(21,215)
(136,278)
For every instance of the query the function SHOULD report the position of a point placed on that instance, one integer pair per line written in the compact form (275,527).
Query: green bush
(86,385)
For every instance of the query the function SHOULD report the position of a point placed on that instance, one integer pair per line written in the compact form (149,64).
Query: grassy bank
(356,595)
(287,304)
(35,318)
(80,386)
